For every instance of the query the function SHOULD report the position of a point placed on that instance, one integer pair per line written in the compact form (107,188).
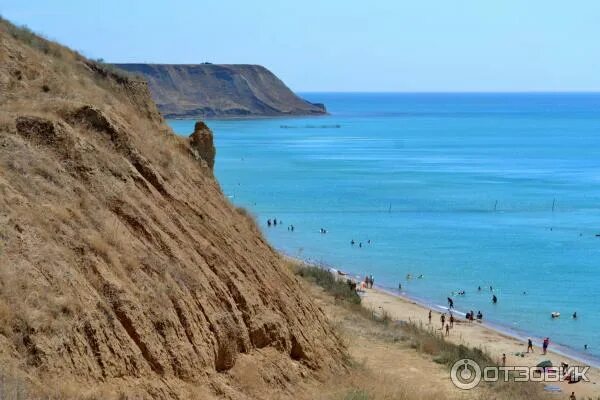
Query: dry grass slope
(124,272)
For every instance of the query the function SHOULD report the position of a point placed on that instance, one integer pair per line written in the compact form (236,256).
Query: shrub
(356,395)
(341,290)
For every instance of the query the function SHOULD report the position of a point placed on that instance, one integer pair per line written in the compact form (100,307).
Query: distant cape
(220,91)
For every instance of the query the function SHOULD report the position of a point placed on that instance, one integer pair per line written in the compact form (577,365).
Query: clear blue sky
(344,45)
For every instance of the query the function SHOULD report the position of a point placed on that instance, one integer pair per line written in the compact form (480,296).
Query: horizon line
(591,91)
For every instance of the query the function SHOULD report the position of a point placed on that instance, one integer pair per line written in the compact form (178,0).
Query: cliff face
(123,269)
(210,90)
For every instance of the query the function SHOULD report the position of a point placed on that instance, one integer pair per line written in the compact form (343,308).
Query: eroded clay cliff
(123,269)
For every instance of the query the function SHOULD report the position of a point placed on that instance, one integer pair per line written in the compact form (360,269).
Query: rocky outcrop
(201,142)
(220,91)
(124,271)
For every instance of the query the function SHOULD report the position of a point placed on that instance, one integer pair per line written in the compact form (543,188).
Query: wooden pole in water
(553,204)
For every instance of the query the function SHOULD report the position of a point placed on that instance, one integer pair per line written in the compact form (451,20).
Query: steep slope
(124,272)
(210,90)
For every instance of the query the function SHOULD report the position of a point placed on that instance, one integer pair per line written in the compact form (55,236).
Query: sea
(460,191)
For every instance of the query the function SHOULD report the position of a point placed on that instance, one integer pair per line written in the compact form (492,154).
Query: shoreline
(498,327)
(485,336)
(382,297)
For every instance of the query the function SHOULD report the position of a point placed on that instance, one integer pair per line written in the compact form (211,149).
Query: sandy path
(477,335)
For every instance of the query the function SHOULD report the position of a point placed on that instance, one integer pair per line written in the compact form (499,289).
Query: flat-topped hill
(220,91)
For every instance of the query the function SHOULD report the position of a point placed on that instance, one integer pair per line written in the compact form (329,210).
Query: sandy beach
(479,335)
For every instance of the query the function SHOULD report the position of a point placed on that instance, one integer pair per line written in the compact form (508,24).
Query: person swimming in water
(575,315)
(494,299)
(352,242)
(268,222)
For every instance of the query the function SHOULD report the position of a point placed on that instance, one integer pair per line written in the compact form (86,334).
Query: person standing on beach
(572,396)
(451,321)
(504,359)
(450,303)
(529,345)
(447,329)
(443,319)
(545,344)
(429,317)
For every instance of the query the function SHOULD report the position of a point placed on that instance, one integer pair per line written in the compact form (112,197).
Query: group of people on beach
(449,325)
(369,281)
(470,316)
(545,344)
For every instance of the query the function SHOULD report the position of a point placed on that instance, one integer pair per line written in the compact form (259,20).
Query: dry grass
(28,37)
(339,289)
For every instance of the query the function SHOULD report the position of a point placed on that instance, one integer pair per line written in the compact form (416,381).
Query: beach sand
(479,335)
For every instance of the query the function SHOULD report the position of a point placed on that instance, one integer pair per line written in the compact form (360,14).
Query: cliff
(124,271)
(220,91)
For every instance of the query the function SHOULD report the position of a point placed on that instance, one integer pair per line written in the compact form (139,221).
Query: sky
(335,45)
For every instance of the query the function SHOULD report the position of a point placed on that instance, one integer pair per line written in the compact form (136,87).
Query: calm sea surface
(468,190)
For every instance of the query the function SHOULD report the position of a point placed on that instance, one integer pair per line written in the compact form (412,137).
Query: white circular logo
(465,374)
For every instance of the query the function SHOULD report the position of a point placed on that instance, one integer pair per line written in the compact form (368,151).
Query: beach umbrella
(545,364)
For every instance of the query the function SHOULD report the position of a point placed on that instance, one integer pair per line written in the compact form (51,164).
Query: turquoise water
(457,187)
